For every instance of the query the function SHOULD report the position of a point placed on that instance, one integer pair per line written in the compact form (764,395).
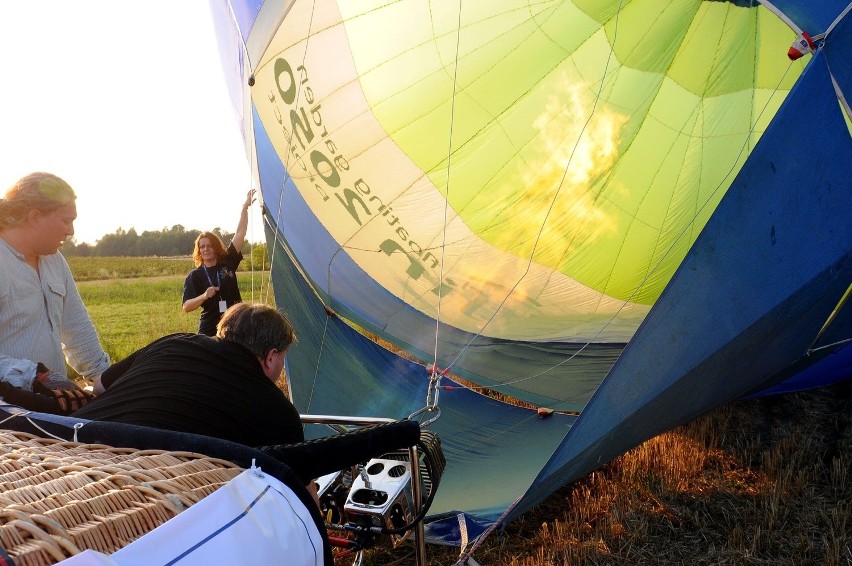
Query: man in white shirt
(42,317)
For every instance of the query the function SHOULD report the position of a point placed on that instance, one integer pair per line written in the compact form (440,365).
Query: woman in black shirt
(212,285)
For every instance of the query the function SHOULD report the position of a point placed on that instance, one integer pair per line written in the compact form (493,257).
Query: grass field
(101,268)
(757,482)
(131,312)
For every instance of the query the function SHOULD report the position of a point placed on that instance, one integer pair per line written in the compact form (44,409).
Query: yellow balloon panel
(556,149)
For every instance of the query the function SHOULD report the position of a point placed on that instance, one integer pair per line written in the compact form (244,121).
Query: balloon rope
(316,368)
(251,249)
(279,240)
(841,96)
(259,193)
(434,387)
(447,197)
(831,317)
(251,152)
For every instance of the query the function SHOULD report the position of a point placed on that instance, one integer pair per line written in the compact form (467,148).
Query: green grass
(100,268)
(112,268)
(132,312)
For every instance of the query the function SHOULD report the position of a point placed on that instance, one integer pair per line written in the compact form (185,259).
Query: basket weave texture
(59,498)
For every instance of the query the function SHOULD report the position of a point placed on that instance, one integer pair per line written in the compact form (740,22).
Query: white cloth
(20,373)
(43,319)
(252,519)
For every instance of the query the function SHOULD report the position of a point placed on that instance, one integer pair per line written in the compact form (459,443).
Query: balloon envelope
(628,211)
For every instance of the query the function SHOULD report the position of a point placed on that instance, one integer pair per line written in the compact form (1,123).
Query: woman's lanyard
(218,281)
(223,305)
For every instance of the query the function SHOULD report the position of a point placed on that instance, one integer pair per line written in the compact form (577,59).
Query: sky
(127,102)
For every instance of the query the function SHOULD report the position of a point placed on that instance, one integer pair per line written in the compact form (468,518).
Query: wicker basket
(59,498)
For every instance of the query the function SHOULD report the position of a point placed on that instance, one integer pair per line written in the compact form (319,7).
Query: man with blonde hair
(43,322)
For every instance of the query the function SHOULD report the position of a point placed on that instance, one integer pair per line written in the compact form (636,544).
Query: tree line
(174,241)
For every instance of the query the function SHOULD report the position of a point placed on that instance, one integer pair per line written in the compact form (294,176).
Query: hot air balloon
(548,231)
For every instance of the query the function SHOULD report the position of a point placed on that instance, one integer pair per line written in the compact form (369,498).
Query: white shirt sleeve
(42,317)
(17,372)
(80,342)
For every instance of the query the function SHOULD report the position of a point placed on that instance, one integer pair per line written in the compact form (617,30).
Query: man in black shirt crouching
(221,386)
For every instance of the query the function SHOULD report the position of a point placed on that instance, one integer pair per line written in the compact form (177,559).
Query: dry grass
(762,482)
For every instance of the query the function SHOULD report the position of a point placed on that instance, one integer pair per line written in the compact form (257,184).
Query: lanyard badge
(223,305)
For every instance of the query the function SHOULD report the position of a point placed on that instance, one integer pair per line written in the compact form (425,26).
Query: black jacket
(198,384)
